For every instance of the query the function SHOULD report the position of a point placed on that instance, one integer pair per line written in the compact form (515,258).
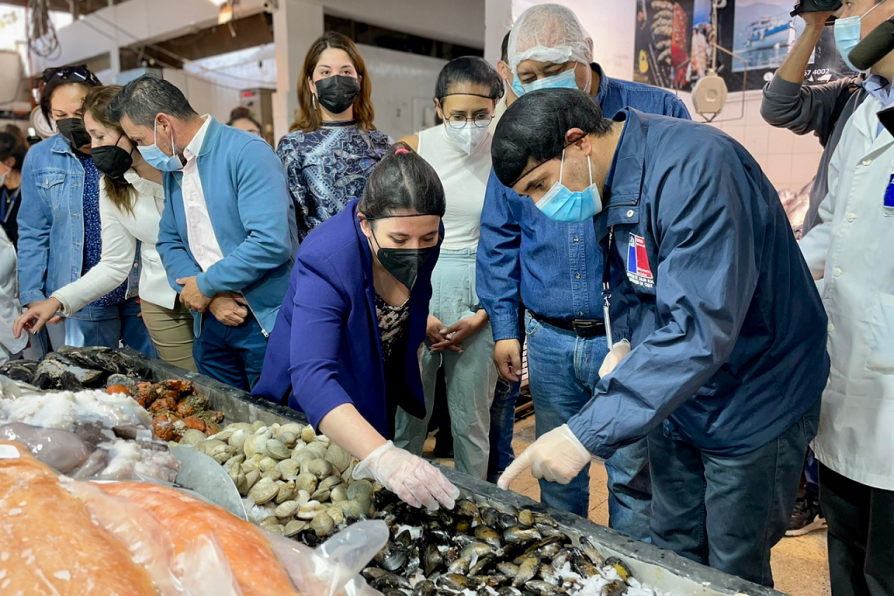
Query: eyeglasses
(74,74)
(480,120)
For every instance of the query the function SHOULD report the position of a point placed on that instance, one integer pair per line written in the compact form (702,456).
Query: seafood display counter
(662,571)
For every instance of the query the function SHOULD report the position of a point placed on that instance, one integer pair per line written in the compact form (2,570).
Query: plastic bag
(333,569)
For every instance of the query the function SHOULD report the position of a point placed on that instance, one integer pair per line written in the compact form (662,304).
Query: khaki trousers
(171,331)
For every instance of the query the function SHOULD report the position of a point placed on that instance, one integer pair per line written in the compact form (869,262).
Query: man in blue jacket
(549,265)
(227,234)
(727,330)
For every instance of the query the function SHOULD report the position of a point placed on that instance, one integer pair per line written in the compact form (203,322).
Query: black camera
(816,6)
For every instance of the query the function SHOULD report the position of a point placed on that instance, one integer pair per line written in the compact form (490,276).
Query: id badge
(888,204)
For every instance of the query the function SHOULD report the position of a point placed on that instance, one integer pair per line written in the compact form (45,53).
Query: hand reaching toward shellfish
(557,456)
(410,477)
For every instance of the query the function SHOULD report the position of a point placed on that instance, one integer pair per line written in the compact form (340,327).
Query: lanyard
(607,288)
(6,206)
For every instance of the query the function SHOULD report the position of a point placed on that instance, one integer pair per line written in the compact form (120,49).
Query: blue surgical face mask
(156,158)
(847,36)
(561,204)
(565,80)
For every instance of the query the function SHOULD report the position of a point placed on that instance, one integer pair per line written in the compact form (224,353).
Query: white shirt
(120,232)
(464,178)
(9,301)
(199,231)
(852,252)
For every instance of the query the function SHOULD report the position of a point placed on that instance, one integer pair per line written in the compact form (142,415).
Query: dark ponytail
(12,145)
(402,182)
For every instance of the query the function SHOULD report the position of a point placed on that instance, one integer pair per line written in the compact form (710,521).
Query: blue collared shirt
(556,268)
(727,327)
(878,87)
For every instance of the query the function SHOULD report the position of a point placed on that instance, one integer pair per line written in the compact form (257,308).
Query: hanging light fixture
(226,10)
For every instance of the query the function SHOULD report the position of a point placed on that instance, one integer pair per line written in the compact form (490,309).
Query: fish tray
(662,570)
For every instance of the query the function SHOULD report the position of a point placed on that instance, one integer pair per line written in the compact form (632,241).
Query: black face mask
(403,263)
(337,93)
(112,160)
(73,131)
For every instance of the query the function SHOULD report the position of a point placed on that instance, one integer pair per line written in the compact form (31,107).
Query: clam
(239,479)
(289,468)
(288,439)
(323,439)
(338,457)
(240,426)
(294,527)
(192,437)
(237,439)
(338,494)
(320,495)
(255,444)
(208,445)
(223,435)
(252,477)
(348,474)
(254,461)
(307,434)
(287,492)
(302,497)
(309,510)
(319,468)
(353,509)
(235,461)
(337,514)
(290,427)
(271,524)
(266,464)
(264,491)
(298,447)
(306,481)
(287,509)
(258,425)
(303,456)
(273,473)
(322,524)
(222,454)
(330,482)
(318,450)
(360,488)
(277,450)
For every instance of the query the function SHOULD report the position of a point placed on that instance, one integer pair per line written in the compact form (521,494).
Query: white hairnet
(549,33)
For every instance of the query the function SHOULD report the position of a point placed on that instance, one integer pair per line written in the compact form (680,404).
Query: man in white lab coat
(851,255)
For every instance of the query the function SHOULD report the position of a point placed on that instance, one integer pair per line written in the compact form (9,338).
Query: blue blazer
(325,349)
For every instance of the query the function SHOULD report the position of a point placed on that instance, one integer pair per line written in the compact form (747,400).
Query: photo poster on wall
(674,38)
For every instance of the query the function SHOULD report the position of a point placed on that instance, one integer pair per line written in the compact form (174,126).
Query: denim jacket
(51,225)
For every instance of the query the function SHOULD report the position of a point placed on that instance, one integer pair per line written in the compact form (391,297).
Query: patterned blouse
(394,325)
(93,230)
(328,168)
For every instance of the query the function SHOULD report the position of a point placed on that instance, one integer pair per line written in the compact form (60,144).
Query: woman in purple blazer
(344,349)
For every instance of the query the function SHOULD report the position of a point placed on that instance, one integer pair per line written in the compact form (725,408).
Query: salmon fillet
(251,557)
(49,545)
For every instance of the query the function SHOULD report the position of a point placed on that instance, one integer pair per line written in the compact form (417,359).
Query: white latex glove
(557,456)
(614,357)
(411,478)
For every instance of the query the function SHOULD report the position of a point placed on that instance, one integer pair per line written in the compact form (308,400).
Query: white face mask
(467,138)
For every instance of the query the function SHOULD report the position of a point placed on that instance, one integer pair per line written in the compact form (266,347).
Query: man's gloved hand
(613,358)
(557,456)
(411,478)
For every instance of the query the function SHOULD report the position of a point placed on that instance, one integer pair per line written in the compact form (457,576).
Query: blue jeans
(502,426)
(232,355)
(107,325)
(727,511)
(564,371)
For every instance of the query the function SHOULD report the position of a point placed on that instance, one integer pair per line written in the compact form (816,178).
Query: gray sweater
(820,109)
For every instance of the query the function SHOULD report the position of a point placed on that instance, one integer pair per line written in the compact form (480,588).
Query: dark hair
(504,48)
(402,181)
(54,78)
(534,129)
(310,116)
(144,98)
(118,190)
(460,73)
(13,146)
(234,119)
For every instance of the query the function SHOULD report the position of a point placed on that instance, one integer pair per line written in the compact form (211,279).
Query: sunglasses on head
(74,74)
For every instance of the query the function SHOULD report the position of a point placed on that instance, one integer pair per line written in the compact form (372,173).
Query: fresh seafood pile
(294,481)
(174,405)
(74,369)
(480,549)
(87,434)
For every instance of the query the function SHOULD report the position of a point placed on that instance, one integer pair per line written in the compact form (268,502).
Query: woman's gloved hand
(411,478)
(618,352)
(557,456)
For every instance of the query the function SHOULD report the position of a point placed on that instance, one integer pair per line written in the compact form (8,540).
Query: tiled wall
(788,160)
